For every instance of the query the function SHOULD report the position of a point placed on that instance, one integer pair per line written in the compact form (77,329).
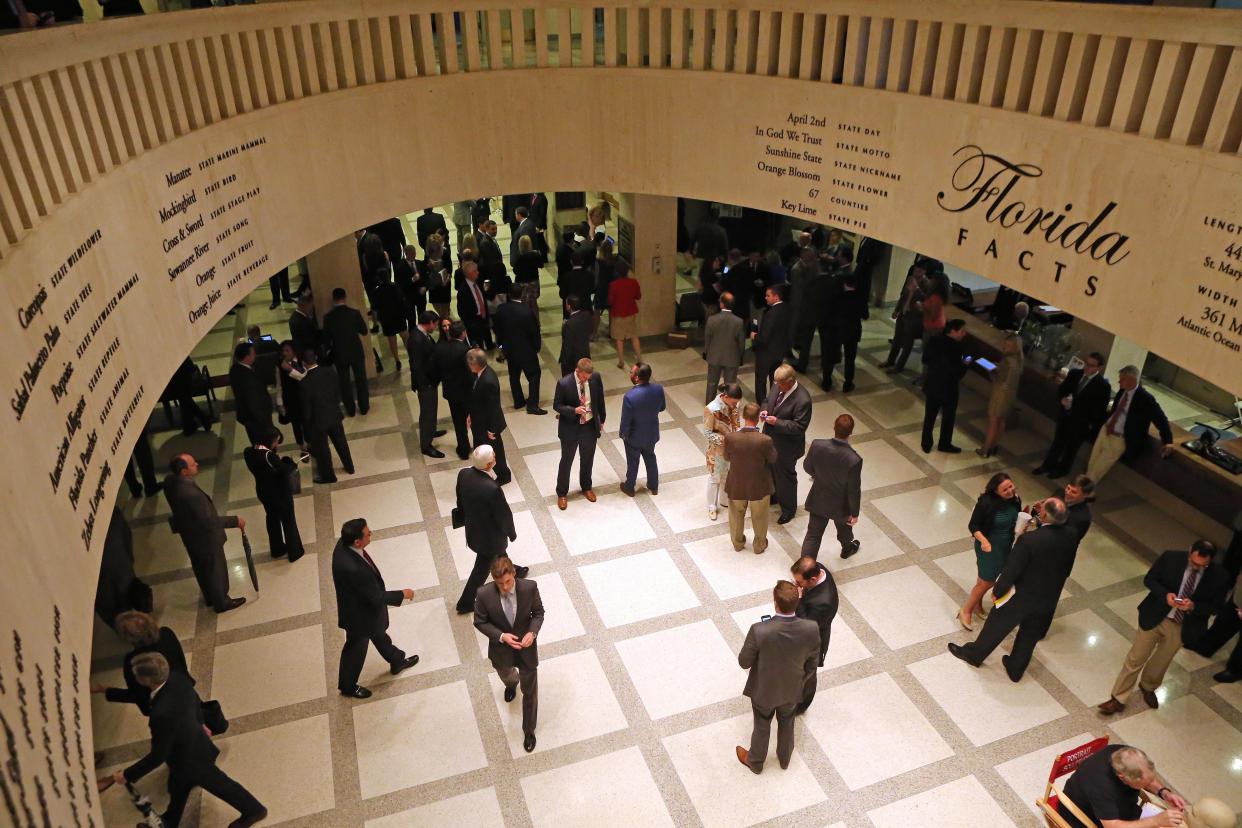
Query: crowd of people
(1024,554)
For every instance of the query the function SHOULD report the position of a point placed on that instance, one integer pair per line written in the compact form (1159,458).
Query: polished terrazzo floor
(647,606)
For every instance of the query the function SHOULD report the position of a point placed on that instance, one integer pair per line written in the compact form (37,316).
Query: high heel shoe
(965,622)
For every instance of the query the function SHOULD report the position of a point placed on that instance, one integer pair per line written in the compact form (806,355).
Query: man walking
(423,381)
(819,603)
(836,489)
(517,332)
(1184,590)
(580,410)
(724,345)
(254,404)
(362,604)
(201,527)
(750,454)
(575,335)
(456,381)
(786,416)
(344,328)
(322,418)
(509,613)
(484,512)
(1026,592)
(640,427)
(771,340)
(945,368)
(1084,403)
(780,654)
(848,309)
(487,417)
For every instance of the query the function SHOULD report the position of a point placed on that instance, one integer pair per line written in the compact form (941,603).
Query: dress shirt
(1118,423)
(584,397)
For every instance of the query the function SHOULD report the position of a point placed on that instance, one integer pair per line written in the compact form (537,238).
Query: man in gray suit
(781,652)
(724,345)
(750,454)
(510,612)
(195,519)
(836,489)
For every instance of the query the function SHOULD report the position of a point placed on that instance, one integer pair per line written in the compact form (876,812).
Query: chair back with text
(1065,764)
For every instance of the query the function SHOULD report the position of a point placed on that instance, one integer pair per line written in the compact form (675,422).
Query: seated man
(1106,787)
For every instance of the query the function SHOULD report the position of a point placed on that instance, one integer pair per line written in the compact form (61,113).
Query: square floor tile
(1212,768)
(892,408)
(876,545)
(575,703)
(984,703)
(560,617)
(686,399)
(176,607)
(844,646)
(731,573)
(723,792)
(932,809)
(380,454)
(444,484)
(1028,774)
(421,627)
(572,795)
(825,413)
(287,590)
(929,517)
(528,550)
(1103,561)
(392,503)
(849,721)
(926,612)
(940,461)
(406,561)
(683,503)
(305,750)
(637,587)
(669,365)
(270,671)
(884,465)
(527,430)
(1231,693)
(438,739)
(382,413)
(613,520)
(675,452)
(256,527)
(478,809)
(157,549)
(1152,526)
(705,666)
(543,468)
(1084,653)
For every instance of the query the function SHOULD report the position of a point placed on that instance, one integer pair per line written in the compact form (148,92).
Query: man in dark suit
(1184,589)
(491,265)
(847,308)
(565,264)
(517,332)
(771,341)
(322,418)
(786,416)
(819,603)
(580,410)
(271,481)
(526,227)
(201,527)
(254,404)
(945,367)
(750,455)
(640,428)
(575,335)
(345,328)
(423,381)
(487,416)
(409,280)
(1033,577)
(510,613)
(303,329)
(724,345)
(753,272)
(483,510)
(431,222)
(1084,402)
(836,489)
(456,381)
(1126,433)
(780,653)
(362,605)
(472,308)
(179,740)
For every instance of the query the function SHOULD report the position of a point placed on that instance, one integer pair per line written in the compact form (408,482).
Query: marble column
(336,265)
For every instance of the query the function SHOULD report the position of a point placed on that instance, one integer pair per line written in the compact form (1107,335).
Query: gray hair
(1132,370)
(482,457)
(476,356)
(1131,763)
(1054,511)
(150,669)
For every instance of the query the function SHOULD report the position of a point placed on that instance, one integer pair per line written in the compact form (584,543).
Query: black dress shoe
(826,384)
(433,452)
(848,387)
(136,493)
(349,469)
(949,449)
(152,491)
(536,411)
(465,611)
(1038,470)
(439,432)
(358,692)
(504,481)
(279,553)
(1226,677)
(273,306)
(401,666)
(528,744)
(323,481)
(511,693)
(397,367)
(958,652)
(296,555)
(852,549)
(233,604)
(521,571)
(926,448)
(1008,671)
(246,820)
(783,519)
(463,455)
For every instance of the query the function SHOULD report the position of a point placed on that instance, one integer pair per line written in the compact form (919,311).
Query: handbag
(456,517)
(293,476)
(213,717)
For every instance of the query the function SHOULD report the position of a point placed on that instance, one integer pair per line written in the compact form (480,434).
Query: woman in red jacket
(623,295)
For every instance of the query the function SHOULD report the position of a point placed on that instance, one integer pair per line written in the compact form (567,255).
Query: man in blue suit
(640,427)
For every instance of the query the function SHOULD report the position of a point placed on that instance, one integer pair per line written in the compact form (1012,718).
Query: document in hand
(1001,601)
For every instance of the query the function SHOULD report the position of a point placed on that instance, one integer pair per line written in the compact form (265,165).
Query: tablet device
(985,364)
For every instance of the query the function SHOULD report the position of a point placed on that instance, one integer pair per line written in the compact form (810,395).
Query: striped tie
(1188,589)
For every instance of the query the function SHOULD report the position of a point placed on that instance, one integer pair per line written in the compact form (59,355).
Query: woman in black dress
(143,635)
(289,373)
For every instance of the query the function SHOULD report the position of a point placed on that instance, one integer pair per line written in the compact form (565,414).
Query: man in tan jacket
(750,453)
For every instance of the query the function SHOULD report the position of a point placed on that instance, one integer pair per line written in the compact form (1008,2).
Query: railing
(79,101)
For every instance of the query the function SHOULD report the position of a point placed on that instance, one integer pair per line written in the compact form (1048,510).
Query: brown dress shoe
(589,494)
(743,756)
(1110,707)
(562,503)
(1149,696)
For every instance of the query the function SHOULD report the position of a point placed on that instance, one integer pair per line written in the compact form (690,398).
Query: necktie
(510,606)
(779,399)
(1083,383)
(1120,409)
(370,562)
(478,300)
(1188,589)
(582,398)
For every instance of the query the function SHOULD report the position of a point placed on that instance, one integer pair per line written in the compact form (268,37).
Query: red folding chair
(1065,764)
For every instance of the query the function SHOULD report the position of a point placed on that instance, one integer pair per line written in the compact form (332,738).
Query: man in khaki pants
(1185,588)
(750,453)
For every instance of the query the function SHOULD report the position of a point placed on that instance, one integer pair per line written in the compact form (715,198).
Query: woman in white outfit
(722,416)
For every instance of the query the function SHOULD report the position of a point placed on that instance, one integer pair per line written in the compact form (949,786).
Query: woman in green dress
(992,525)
